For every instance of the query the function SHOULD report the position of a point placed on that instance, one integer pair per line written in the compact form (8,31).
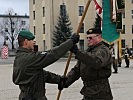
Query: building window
(63,10)
(123,43)
(123,29)
(33,1)
(123,15)
(132,43)
(81,9)
(82,28)
(132,29)
(23,22)
(44,44)
(132,14)
(43,11)
(43,28)
(81,44)
(34,30)
(33,15)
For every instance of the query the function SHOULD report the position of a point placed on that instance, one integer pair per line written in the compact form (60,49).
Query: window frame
(82,28)
(81,10)
(123,43)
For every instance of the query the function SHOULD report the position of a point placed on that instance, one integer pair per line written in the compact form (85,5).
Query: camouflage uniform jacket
(94,68)
(29,74)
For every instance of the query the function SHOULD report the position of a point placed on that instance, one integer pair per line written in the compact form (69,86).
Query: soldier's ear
(25,42)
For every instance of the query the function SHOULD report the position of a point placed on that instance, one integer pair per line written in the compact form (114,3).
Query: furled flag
(114,8)
(98,7)
(109,31)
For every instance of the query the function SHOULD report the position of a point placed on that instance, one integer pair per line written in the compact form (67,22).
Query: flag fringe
(110,43)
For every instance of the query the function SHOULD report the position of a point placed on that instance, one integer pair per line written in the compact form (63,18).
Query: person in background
(28,67)
(119,62)
(127,55)
(94,68)
(114,61)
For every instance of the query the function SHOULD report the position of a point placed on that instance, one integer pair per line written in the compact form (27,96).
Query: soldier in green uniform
(28,66)
(94,68)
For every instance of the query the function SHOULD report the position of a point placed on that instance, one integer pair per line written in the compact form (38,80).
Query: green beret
(26,34)
(94,31)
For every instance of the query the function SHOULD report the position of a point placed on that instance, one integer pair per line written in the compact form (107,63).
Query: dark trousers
(127,61)
(115,67)
(119,62)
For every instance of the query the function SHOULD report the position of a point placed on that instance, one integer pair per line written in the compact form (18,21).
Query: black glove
(75,38)
(74,49)
(62,82)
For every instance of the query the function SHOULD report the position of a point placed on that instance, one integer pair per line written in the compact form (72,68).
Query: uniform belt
(95,82)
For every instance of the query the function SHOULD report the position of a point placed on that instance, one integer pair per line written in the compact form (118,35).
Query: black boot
(127,67)
(115,72)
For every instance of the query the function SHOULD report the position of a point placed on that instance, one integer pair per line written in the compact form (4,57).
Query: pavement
(121,83)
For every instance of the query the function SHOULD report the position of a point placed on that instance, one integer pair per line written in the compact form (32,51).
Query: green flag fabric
(109,32)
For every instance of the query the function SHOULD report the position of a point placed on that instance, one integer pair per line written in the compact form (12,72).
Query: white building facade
(127,22)
(44,14)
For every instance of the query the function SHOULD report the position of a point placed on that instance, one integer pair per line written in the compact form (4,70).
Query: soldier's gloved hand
(74,49)
(75,38)
(62,82)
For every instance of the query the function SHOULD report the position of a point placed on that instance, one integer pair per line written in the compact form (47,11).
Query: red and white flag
(98,7)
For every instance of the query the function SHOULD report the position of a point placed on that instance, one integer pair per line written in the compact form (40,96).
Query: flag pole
(70,54)
(119,51)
